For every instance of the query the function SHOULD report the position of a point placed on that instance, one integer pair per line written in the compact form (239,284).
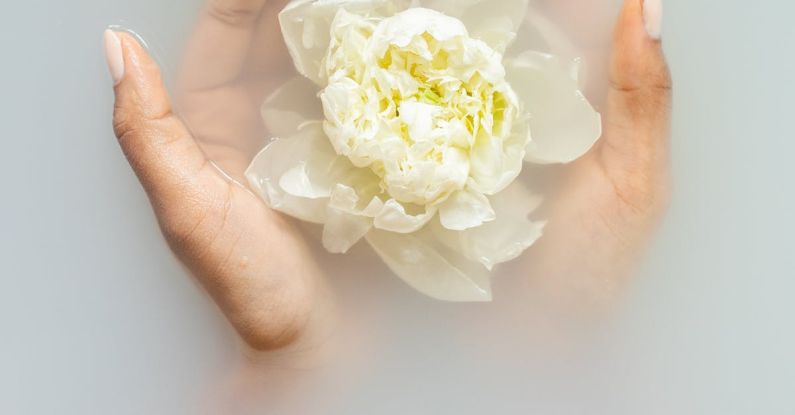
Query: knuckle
(123,125)
(135,126)
(661,81)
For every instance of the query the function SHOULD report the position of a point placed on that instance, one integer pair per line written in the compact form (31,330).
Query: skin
(256,263)
(611,200)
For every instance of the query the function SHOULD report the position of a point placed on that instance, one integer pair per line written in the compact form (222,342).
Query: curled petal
(290,106)
(296,175)
(503,239)
(306,27)
(563,124)
(466,209)
(494,22)
(394,217)
(431,268)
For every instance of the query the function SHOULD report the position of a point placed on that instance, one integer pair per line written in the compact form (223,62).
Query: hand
(253,261)
(613,198)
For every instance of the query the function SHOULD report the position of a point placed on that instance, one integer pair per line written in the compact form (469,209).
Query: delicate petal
(563,124)
(263,176)
(306,27)
(503,239)
(431,268)
(314,168)
(495,164)
(290,106)
(466,209)
(342,231)
(297,182)
(394,218)
(418,117)
(296,175)
(347,223)
(401,30)
(494,22)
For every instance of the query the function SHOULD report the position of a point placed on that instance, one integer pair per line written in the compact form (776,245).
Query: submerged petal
(290,106)
(431,268)
(503,239)
(563,124)
(495,22)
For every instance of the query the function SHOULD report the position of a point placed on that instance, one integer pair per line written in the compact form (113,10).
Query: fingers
(220,44)
(157,144)
(639,99)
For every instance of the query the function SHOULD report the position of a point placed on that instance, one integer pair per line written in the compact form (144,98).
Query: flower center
(411,104)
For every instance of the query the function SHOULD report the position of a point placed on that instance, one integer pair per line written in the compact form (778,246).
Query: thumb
(157,144)
(637,123)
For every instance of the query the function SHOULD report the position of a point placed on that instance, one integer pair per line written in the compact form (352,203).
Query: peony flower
(408,128)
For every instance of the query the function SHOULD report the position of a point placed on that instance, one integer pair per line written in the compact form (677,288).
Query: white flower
(415,131)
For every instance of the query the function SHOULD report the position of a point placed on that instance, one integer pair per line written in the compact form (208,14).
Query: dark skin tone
(258,266)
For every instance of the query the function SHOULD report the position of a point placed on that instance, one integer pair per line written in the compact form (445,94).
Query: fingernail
(114,56)
(652,16)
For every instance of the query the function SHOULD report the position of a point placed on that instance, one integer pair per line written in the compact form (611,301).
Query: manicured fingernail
(652,15)
(114,55)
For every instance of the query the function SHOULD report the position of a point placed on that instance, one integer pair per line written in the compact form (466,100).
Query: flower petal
(313,166)
(563,124)
(401,29)
(395,218)
(306,27)
(503,239)
(293,104)
(347,221)
(540,34)
(495,22)
(495,164)
(431,268)
(466,209)
(296,175)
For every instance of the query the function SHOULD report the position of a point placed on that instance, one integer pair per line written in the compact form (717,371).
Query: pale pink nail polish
(652,16)
(114,56)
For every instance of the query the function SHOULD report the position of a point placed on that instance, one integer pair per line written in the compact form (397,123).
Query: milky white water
(97,317)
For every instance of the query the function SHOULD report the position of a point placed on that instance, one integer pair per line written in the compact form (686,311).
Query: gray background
(96,316)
